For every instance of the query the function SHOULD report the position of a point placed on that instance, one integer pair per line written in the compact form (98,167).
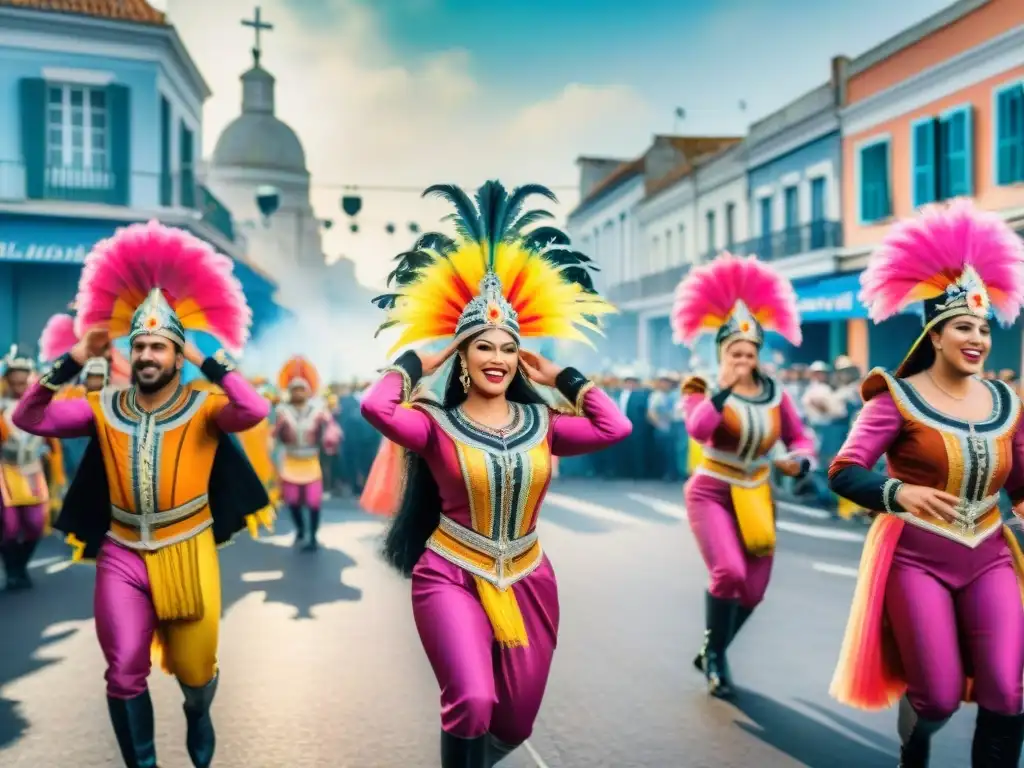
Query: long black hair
(922,356)
(420,510)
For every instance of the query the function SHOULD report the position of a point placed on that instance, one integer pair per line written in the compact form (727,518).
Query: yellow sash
(755,516)
(21,489)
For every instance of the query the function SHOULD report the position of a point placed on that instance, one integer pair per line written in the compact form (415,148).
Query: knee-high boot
(133,726)
(300,527)
(200,739)
(719,616)
(314,526)
(742,613)
(997,740)
(25,551)
(9,559)
(915,736)
(498,751)
(464,753)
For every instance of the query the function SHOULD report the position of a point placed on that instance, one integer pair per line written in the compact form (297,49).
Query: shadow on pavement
(808,741)
(302,580)
(25,616)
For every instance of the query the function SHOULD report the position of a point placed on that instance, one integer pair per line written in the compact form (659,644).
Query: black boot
(498,751)
(200,739)
(742,614)
(915,736)
(464,753)
(997,740)
(720,616)
(25,551)
(7,556)
(314,525)
(133,726)
(300,527)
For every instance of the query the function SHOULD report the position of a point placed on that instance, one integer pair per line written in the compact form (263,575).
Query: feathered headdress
(15,360)
(298,371)
(736,299)
(495,275)
(152,279)
(57,339)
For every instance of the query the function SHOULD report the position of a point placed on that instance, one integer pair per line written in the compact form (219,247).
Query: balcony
(795,241)
(644,287)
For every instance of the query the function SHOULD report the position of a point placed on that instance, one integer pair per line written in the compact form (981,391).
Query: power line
(399,188)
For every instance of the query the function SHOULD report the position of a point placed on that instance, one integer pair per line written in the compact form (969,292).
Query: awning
(833,298)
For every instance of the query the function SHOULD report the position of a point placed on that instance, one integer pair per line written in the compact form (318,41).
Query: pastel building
(935,112)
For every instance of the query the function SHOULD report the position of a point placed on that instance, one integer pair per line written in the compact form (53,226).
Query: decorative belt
(149,524)
(501,562)
(302,453)
(730,469)
(975,521)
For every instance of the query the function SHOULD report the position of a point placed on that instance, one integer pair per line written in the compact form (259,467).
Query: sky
(413,92)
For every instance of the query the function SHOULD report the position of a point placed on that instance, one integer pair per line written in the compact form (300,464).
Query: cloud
(367,116)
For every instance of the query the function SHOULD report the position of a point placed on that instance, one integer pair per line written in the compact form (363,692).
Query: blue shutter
(119,113)
(954,179)
(1010,135)
(884,201)
(923,154)
(32,93)
(968,178)
(166,182)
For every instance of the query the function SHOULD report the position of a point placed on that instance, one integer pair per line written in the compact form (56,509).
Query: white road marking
(573,504)
(258,576)
(659,505)
(57,567)
(537,759)
(835,570)
(42,562)
(800,509)
(818,532)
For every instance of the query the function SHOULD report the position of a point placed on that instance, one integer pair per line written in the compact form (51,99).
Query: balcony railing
(815,236)
(648,285)
(145,190)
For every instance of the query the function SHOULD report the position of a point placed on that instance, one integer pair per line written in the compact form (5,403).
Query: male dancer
(24,490)
(158,488)
(303,428)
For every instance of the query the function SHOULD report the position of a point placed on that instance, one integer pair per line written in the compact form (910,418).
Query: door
(818,213)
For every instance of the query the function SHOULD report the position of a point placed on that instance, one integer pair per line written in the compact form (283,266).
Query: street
(321,665)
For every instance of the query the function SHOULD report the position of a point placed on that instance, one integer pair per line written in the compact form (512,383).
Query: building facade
(934,113)
(100,127)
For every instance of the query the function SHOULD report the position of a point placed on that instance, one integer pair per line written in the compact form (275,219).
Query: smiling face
(17,383)
(741,353)
(156,361)
(492,359)
(964,344)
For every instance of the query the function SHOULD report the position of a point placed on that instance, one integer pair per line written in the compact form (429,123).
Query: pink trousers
(956,612)
(734,573)
(484,687)
(309,495)
(23,523)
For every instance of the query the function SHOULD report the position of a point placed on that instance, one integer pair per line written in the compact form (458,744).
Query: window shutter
(885,200)
(119,114)
(166,182)
(32,92)
(967,179)
(924,154)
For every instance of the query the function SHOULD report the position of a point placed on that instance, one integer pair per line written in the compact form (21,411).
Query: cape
(235,491)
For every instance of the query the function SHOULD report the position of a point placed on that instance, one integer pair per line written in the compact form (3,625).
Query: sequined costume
(728,498)
(159,489)
(937,615)
(484,594)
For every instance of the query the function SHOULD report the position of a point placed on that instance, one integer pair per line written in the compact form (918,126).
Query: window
(730,226)
(188,175)
(941,153)
(818,228)
(1010,134)
(765,245)
(712,247)
(655,257)
(682,243)
(166,181)
(669,255)
(791,202)
(77,136)
(875,201)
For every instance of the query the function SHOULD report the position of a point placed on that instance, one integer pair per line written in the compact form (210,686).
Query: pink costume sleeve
(795,434)
(38,414)
(876,428)
(700,417)
(1015,481)
(330,437)
(282,430)
(245,407)
(603,425)
(382,407)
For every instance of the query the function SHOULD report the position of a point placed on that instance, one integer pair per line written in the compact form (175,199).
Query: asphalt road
(321,665)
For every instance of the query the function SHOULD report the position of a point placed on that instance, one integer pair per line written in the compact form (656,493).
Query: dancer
(479,456)
(57,339)
(160,484)
(258,445)
(736,420)
(303,428)
(937,614)
(24,488)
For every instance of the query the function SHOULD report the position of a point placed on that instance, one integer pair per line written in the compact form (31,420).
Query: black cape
(235,492)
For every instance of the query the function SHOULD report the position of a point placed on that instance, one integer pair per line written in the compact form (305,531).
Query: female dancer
(736,424)
(937,615)
(484,595)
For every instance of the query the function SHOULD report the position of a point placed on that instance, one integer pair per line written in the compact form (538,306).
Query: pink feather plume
(57,338)
(196,280)
(707,295)
(921,256)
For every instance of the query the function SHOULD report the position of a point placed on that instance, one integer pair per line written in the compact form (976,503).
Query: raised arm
(382,405)
(39,414)
(601,425)
(244,407)
(852,474)
(702,413)
(797,438)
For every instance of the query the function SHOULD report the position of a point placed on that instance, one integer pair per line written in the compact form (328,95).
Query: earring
(464,376)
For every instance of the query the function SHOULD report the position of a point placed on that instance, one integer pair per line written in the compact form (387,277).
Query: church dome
(257,138)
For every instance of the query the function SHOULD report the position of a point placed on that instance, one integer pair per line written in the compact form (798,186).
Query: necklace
(942,389)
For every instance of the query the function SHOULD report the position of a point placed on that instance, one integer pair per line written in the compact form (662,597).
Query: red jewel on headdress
(152,322)
(493,313)
(745,327)
(977,301)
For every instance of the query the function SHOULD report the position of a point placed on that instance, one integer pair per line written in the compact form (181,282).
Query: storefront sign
(834,298)
(13,250)
(51,240)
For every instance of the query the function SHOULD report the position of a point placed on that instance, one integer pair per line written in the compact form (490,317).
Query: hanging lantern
(327,223)
(390,229)
(353,227)
(351,204)
(414,227)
